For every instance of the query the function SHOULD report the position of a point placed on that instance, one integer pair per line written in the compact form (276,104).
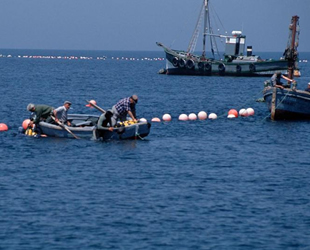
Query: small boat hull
(85,126)
(287,104)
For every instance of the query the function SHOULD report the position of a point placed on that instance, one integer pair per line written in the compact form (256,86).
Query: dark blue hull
(286,104)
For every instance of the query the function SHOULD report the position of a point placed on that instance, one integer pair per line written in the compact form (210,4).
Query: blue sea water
(216,184)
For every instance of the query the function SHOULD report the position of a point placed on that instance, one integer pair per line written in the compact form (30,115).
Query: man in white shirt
(61,113)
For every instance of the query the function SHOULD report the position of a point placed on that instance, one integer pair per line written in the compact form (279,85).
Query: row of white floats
(202,115)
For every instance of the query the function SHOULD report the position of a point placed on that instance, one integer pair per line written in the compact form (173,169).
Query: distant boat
(234,63)
(288,103)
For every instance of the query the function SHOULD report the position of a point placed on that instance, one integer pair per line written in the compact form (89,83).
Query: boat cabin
(235,45)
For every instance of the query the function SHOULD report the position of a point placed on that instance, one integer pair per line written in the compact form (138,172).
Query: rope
(137,134)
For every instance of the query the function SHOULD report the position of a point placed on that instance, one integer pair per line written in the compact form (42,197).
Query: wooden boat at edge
(85,126)
(235,62)
(288,103)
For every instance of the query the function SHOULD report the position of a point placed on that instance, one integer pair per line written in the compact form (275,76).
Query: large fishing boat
(234,63)
(288,103)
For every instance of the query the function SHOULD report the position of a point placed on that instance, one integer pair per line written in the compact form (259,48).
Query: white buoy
(212,116)
(230,116)
(192,116)
(155,119)
(183,117)
(202,115)
(250,111)
(243,112)
(142,120)
(167,117)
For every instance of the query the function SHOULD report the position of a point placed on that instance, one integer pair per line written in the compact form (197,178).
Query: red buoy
(3,127)
(233,112)
(25,123)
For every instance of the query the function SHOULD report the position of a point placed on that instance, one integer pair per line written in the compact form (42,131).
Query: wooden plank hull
(286,104)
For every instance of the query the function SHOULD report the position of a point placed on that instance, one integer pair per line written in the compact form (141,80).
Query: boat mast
(193,42)
(291,50)
(206,2)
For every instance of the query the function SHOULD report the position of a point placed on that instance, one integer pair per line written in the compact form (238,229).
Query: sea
(241,183)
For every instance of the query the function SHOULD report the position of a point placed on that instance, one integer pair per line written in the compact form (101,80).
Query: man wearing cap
(41,111)
(61,113)
(123,107)
(308,88)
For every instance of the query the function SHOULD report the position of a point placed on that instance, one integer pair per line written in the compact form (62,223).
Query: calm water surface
(216,184)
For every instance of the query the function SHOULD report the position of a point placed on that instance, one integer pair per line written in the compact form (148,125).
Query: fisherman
(105,121)
(41,113)
(123,107)
(61,113)
(276,80)
(308,87)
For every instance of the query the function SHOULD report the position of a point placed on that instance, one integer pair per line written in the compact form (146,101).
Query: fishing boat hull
(287,104)
(176,64)
(85,126)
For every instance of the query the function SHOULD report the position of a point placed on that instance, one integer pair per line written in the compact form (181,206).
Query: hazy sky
(138,24)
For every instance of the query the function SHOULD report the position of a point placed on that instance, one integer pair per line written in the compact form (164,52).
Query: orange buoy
(91,101)
(233,112)
(3,127)
(25,123)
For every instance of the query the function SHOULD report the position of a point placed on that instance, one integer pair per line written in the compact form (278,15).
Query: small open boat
(85,126)
(288,103)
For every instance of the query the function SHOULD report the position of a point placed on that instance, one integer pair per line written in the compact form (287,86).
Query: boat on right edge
(288,103)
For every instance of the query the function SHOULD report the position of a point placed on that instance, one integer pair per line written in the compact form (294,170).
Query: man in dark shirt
(123,107)
(42,113)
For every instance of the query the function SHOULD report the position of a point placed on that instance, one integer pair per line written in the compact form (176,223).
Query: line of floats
(117,58)
(121,58)
(202,115)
